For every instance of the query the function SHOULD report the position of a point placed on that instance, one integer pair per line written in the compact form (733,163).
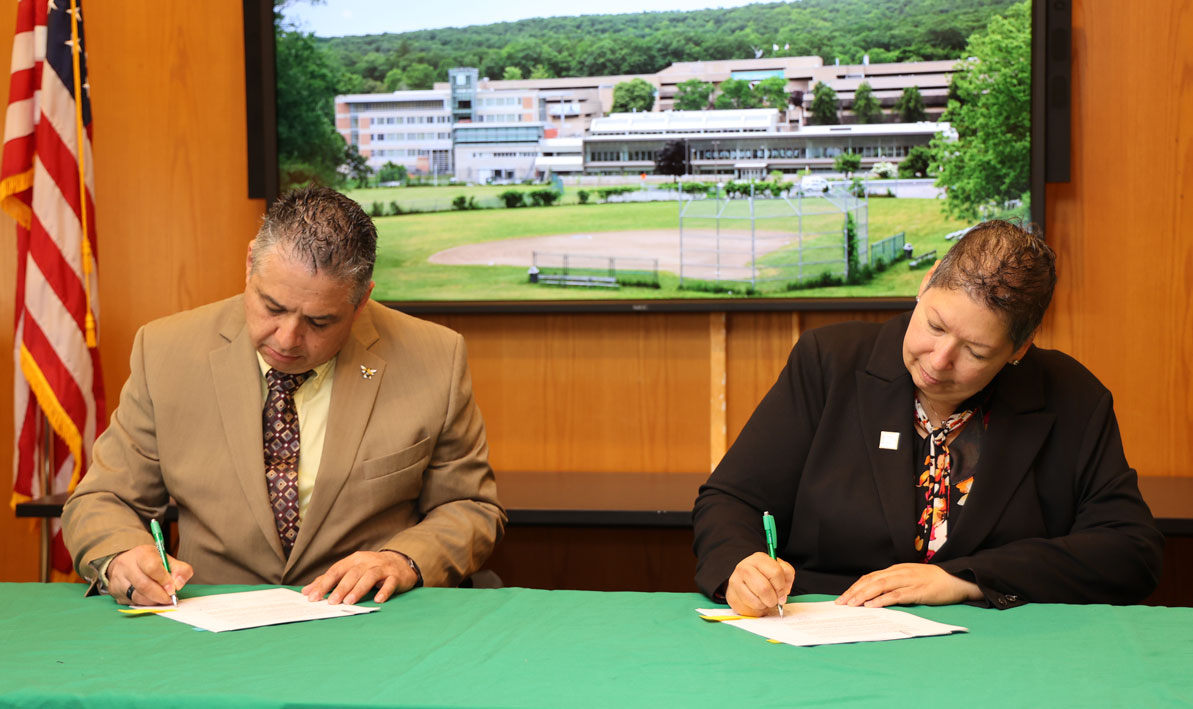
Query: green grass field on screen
(404,271)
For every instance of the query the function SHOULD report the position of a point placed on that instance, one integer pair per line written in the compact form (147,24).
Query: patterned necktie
(279,428)
(933,527)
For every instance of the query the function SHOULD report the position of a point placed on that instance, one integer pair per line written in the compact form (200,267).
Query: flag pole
(47,475)
(85,243)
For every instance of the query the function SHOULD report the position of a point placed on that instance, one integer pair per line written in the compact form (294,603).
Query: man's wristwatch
(413,566)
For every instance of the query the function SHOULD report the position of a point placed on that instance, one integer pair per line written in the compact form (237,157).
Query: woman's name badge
(889,440)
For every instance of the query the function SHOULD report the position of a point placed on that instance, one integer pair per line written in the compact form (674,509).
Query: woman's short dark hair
(1006,268)
(326,231)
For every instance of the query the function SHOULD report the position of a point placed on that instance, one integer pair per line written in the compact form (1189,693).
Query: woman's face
(954,345)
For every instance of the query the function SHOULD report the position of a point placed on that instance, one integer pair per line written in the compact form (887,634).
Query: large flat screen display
(810,154)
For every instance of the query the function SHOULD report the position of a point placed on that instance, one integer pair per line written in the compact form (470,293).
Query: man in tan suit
(389,484)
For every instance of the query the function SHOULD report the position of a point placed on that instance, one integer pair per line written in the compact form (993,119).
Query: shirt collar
(315,382)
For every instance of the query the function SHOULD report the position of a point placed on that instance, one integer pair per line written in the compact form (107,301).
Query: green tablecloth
(530,648)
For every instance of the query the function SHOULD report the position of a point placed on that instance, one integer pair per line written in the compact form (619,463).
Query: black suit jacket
(1055,513)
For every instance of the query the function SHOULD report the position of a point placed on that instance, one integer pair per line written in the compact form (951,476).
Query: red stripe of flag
(22,259)
(59,162)
(57,272)
(19,157)
(23,83)
(27,16)
(27,440)
(68,392)
(60,557)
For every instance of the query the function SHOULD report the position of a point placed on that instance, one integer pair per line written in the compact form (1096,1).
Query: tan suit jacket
(405,462)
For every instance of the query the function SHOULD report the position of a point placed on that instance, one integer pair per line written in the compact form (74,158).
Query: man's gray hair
(324,230)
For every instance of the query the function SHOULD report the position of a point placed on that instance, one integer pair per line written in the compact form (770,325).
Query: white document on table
(252,609)
(826,623)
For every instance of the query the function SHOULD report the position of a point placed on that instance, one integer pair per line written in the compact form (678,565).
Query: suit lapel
(358,376)
(237,380)
(1018,429)
(885,393)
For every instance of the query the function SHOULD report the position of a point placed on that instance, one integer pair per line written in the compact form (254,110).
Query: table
(519,647)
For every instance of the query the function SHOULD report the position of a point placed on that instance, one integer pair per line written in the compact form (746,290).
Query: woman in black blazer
(936,458)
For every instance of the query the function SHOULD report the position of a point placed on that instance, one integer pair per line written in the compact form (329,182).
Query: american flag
(46,186)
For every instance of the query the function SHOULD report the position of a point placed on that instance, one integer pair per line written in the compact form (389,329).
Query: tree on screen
(910,106)
(865,106)
(309,148)
(392,172)
(736,93)
(917,163)
(847,163)
(373,66)
(672,159)
(772,92)
(395,80)
(420,76)
(356,166)
(692,95)
(824,104)
(988,165)
(633,95)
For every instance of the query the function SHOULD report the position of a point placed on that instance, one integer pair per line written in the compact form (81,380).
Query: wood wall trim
(718,432)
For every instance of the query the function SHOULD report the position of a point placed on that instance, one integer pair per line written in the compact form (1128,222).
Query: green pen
(772,540)
(160,542)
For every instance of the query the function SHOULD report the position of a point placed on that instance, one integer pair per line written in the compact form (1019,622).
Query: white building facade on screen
(481,130)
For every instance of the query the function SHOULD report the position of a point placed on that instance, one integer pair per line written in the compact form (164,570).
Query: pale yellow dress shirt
(313,401)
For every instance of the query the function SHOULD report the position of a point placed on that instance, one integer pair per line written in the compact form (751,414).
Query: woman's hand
(758,584)
(907,584)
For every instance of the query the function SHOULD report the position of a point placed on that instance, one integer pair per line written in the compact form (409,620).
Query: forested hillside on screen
(595,45)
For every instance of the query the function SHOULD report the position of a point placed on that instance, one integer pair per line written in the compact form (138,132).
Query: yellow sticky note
(719,618)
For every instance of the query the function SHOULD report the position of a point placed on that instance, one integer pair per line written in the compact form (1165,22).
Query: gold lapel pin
(367,372)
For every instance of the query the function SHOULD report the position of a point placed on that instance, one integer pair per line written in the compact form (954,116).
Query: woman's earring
(1014,363)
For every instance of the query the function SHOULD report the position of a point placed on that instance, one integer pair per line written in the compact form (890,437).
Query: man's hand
(906,584)
(349,579)
(140,569)
(758,584)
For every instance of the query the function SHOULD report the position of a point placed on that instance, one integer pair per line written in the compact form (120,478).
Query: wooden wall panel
(174,218)
(1123,303)
(591,392)
(757,348)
